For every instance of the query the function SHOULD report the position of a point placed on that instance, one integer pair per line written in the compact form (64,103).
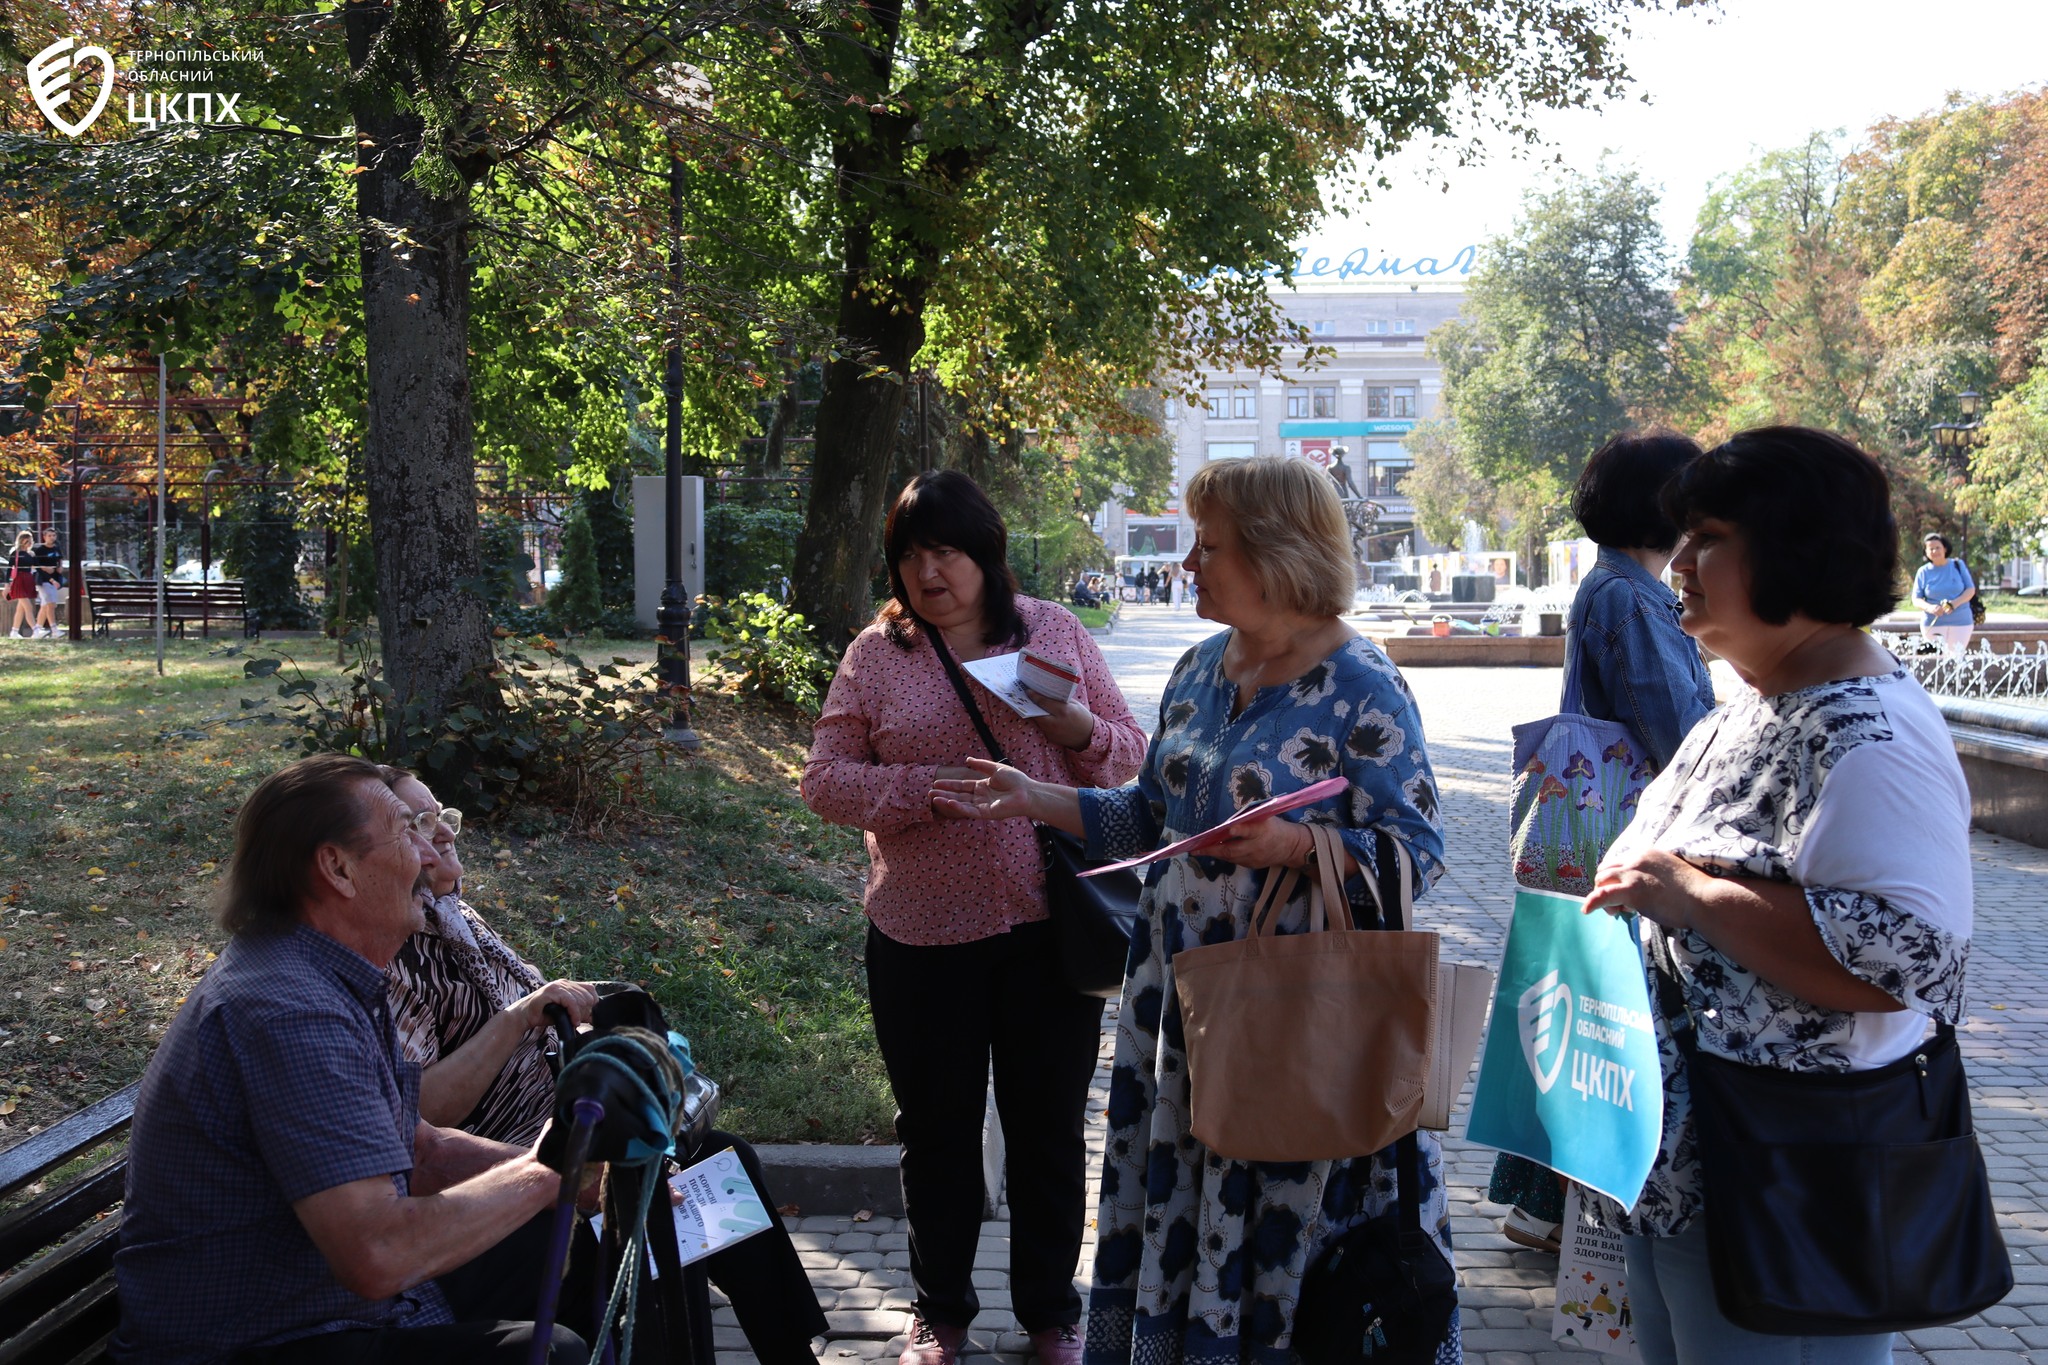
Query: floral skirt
(1198,1258)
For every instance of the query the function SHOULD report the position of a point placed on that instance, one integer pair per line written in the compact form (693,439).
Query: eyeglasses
(424,822)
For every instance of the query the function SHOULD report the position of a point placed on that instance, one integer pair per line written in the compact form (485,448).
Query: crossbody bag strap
(1393,885)
(953,675)
(1408,1191)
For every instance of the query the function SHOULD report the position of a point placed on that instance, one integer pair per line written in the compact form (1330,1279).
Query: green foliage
(503,563)
(748,548)
(1564,341)
(611,534)
(2009,474)
(771,648)
(577,600)
(362,588)
(576,739)
(1444,489)
(260,545)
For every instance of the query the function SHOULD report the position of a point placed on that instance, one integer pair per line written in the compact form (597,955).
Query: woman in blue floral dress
(1199,1258)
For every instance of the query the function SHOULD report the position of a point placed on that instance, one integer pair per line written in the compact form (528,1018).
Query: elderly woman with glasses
(467,1008)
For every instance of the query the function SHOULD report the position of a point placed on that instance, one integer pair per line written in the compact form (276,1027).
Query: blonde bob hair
(1291,526)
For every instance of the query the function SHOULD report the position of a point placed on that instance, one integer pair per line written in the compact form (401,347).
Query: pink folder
(1258,810)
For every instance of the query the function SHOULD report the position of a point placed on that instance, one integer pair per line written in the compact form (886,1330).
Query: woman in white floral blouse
(1804,859)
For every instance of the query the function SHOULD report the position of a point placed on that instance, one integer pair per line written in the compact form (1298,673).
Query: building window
(1376,328)
(1377,400)
(1234,404)
(1405,326)
(1297,403)
(1323,400)
(1233,450)
(1323,327)
(1173,409)
(1403,401)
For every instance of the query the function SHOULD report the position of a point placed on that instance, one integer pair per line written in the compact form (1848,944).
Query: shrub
(546,730)
(743,544)
(260,545)
(772,648)
(577,600)
(503,563)
(611,531)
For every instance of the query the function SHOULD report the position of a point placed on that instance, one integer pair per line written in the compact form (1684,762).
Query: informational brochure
(1592,1306)
(715,1205)
(998,673)
(719,1206)
(1258,810)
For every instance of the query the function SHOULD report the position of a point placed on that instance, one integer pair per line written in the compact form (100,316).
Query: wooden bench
(57,1302)
(117,599)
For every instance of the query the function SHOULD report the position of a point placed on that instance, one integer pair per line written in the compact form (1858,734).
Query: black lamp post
(684,89)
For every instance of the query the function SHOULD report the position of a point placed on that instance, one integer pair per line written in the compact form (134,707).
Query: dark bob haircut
(1816,513)
(1946,547)
(1616,496)
(290,815)
(945,507)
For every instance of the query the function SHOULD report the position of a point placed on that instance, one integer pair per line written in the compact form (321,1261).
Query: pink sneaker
(1058,1345)
(932,1343)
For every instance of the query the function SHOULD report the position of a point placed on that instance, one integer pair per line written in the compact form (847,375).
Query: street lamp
(683,87)
(1971,403)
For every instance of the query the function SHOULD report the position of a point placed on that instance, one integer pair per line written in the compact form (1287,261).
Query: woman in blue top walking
(1942,589)
(1633,665)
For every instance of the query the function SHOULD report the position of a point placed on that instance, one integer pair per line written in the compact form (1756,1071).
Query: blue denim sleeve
(1654,676)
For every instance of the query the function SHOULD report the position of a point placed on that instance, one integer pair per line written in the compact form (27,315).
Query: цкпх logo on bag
(49,82)
(1545,1016)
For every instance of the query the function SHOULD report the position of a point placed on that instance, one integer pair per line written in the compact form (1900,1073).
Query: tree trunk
(420,447)
(881,327)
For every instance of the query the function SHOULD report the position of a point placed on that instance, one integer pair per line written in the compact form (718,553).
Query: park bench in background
(116,599)
(57,1303)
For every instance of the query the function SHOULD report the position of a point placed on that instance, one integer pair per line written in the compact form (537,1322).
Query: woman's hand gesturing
(996,792)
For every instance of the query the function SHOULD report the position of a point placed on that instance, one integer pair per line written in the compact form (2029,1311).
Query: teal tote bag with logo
(1569,1078)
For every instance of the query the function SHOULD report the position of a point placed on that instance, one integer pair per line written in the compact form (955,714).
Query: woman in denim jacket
(1636,667)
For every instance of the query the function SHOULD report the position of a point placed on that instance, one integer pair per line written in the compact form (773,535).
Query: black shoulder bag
(1382,1293)
(1840,1203)
(1094,918)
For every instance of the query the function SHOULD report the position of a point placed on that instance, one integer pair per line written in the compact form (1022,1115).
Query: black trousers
(942,1014)
(495,1296)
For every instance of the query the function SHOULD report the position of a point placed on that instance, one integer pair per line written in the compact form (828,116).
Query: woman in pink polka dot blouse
(962,964)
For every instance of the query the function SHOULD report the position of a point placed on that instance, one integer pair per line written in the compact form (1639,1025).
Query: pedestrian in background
(1626,660)
(962,961)
(21,585)
(1942,589)
(49,584)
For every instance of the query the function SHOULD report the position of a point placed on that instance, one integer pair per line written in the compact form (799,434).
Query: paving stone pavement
(861,1271)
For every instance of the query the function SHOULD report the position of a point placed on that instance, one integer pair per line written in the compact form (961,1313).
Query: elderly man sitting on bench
(284,1200)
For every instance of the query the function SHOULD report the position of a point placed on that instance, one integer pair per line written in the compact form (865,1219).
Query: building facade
(1361,399)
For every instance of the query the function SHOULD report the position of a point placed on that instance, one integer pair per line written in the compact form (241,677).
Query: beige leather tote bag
(1308,1047)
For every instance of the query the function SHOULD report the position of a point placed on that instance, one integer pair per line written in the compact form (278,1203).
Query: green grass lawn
(1095,618)
(734,904)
